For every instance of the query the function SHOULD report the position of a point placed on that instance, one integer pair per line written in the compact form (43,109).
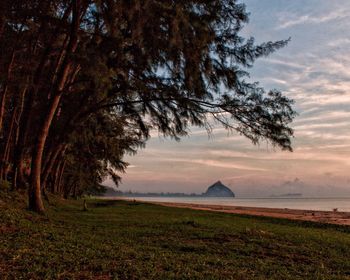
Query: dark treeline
(82,82)
(112,192)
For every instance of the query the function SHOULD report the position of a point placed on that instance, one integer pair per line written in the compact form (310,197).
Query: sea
(312,203)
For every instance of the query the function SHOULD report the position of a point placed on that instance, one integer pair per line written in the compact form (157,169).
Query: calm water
(324,204)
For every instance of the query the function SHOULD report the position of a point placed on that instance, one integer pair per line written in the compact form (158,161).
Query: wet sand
(329,217)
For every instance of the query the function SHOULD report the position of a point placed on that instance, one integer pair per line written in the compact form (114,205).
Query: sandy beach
(329,217)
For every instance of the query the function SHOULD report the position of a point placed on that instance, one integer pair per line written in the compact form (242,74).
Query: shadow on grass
(111,203)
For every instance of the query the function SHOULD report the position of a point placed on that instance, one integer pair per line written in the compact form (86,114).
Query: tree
(143,64)
(96,151)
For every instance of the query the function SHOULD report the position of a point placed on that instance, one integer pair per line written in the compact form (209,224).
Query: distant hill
(219,190)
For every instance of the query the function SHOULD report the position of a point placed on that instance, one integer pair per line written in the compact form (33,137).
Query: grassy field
(126,240)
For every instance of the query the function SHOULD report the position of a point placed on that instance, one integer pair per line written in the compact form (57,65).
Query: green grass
(125,240)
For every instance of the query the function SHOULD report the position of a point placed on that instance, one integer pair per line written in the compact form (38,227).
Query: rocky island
(218,190)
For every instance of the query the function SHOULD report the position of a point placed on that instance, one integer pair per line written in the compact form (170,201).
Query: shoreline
(326,217)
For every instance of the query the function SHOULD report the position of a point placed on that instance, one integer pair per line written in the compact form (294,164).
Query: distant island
(218,189)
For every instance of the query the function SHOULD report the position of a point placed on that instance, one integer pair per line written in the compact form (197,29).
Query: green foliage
(96,152)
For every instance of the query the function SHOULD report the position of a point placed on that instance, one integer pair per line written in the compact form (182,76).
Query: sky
(314,70)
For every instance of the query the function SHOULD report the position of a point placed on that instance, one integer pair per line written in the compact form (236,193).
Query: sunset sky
(314,70)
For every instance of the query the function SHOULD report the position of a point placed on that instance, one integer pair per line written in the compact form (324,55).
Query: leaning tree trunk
(35,199)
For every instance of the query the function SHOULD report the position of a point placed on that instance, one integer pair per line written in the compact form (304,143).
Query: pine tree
(144,65)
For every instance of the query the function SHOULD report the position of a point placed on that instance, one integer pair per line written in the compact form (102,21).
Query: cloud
(283,62)
(339,43)
(217,163)
(297,183)
(314,70)
(288,20)
(304,154)
(322,126)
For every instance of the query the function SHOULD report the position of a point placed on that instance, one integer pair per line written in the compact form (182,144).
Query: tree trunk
(58,184)
(50,164)
(85,208)
(12,135)
(55,175)
(35,199)
(6,152)
(4,92)
(2,25)
(20,108)
(68,190)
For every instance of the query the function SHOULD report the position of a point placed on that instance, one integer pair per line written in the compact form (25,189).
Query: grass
(126,240)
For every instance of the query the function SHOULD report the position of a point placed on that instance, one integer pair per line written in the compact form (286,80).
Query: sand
(329,217)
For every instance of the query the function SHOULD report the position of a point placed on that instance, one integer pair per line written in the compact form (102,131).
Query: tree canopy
(82,82)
